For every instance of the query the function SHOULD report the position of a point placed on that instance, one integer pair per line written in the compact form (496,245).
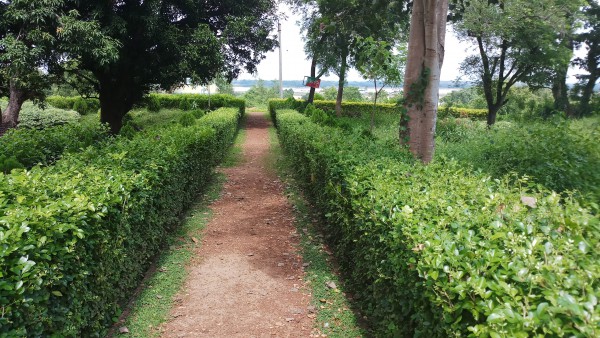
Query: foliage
(45,35)
(33,116)
(78,236)
(86,105)
(352,109)
(197,101)
(351,94)
(590,63)
(439,251)
(187,119)
(516,40)
(553,154)
(449,111)
(470,97)
(7,164)
(153,104)
(31,146)
(164,42)
(259,94)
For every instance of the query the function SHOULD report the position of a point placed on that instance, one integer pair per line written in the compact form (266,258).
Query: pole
(280,62)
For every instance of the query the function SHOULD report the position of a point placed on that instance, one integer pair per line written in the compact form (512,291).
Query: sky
(296,66)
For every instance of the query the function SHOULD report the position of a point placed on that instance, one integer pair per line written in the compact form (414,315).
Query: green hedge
(350,109)
(79,104)
(438,251)
(78,236)
(449,111)
(194,101)
(31,146)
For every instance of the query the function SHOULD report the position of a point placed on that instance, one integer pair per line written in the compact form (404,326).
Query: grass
(333,310)
(152,306)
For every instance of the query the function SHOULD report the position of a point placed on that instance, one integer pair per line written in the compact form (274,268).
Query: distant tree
(377,61)
(163,42)
(259,93)
(590,63)
(38,41)
(516,39)
(422,76)
(351,94)
(333,26)
(223,85)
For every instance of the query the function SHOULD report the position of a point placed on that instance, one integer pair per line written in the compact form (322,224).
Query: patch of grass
(235,155)
(333,310)
(156,299)
(147,119)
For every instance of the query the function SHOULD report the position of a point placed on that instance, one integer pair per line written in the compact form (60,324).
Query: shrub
(460,112)
(187,119)
(83,106)
(439,251)
(198,113)
(153,104)
(78,236)
(34,117)
(197,101)
(7,164)
(184,104)
(351,109)
(552,154)
(31,146)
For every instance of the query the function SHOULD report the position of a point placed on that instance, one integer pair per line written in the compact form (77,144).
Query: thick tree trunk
(115,101)
(16,97)
(422,76)
(586,95)
(340,93)
(492,113)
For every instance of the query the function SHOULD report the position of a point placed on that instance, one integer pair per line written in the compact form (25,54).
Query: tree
(333,27)
(223,85)
(422,76)
(162,42)
(591,62)
(515,39)
(38,40)
(376,61)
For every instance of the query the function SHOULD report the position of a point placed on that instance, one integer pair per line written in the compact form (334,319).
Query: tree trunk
(115,102)
(560,91)
(313,73)
(340,94)
(16,97)
(422,76)
(492,113)
(586,95)
(374,106)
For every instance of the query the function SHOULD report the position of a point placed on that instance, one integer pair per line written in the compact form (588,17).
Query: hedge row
(449,111)
(29,147)
(439,252)
(77,237)
(194,101)
(351,109)
(79,104)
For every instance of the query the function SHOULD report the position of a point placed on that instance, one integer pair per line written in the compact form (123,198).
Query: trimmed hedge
(474,114)
(79,104)
(78,236)
(31,146)
(439,252)
(194,101)
(350,109)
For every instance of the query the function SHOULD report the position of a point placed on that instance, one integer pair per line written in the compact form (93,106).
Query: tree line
(118,51)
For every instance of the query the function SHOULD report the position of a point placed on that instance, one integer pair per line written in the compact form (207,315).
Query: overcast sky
(295,65)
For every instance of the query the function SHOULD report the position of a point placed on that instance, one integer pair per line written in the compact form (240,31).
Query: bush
(350,109)
(460,112)
(153,104)
(33,117)
(551,153)
(7,164)
(31,146)
(198,113)
(187,119)
(439,251)
(197,101)
(83,106)
(78,236)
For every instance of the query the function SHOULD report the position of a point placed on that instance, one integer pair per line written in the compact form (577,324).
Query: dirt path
(246,279)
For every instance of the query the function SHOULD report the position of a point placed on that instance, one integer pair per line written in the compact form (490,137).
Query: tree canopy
(163,42)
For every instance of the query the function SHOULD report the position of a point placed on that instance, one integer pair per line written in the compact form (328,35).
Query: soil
(246,279)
